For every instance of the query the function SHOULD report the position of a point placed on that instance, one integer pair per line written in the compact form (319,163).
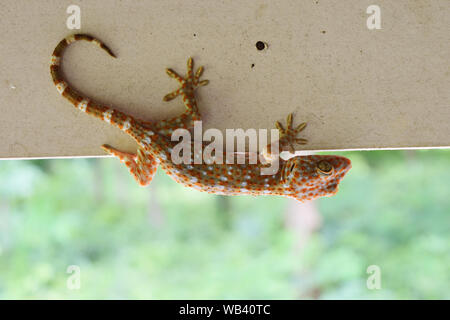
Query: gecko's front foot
(288,136)
(187,84)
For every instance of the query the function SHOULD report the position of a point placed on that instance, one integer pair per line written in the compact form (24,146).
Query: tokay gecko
(300,177)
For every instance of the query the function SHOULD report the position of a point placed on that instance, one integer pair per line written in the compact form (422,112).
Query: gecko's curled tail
(55,64)
(77,99)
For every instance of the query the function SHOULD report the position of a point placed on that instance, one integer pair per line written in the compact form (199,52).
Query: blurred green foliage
(170,242)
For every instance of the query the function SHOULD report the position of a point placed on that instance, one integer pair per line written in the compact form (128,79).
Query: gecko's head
(316,176)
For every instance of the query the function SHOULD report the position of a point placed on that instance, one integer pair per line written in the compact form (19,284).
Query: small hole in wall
(253,65)
(260,45)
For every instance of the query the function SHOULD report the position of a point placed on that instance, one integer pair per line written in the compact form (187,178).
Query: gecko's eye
(324,168)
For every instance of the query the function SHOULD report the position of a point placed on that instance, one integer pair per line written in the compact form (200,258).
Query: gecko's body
(301,177)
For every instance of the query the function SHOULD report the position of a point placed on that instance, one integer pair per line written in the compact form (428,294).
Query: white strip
(70,39)
(61,86)
(126,125)
(163,156)
(55,61)
(83,105)
(147,140)
(107,115)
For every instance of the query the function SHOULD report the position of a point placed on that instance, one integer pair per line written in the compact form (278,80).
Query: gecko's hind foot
(141,165)
(288,136)
(188,83)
